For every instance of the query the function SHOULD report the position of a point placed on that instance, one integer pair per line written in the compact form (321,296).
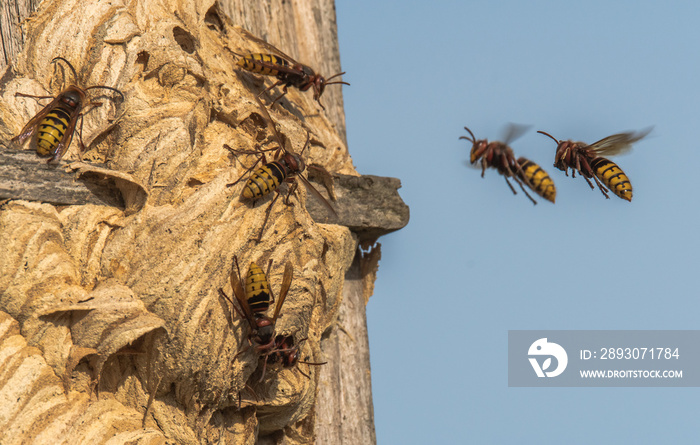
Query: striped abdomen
(540,182)
(51,130)
(257,289)
(260,63)
(265,180)
(613,177)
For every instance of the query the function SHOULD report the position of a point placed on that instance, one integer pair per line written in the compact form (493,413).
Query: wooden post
(113,286)
(12,14)
(344,410)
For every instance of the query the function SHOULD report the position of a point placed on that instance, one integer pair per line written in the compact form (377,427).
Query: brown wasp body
(53,127)
(255,299)
(288,72)
(499,155)
(287,167)
(284,351)
(588,162)
(287,353)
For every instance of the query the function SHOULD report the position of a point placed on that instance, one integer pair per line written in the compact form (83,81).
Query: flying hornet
(288,72)
(53,127)
(588,162)
(287,167)
(255,300)
(500,156)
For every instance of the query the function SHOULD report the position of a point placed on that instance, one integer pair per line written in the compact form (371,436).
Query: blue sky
(476,261)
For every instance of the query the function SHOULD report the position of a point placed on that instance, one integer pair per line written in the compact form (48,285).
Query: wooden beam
(369,205)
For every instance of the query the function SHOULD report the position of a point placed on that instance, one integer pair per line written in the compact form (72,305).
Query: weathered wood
(369,205)
(24,175)
(12,13)
(344,410)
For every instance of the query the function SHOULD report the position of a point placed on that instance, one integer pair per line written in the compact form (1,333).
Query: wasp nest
(107,314)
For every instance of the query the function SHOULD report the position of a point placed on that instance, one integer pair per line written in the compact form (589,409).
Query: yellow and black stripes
(613,177)
(265,180)
(540,182)
(51,130)
(262,63)
(257,289)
